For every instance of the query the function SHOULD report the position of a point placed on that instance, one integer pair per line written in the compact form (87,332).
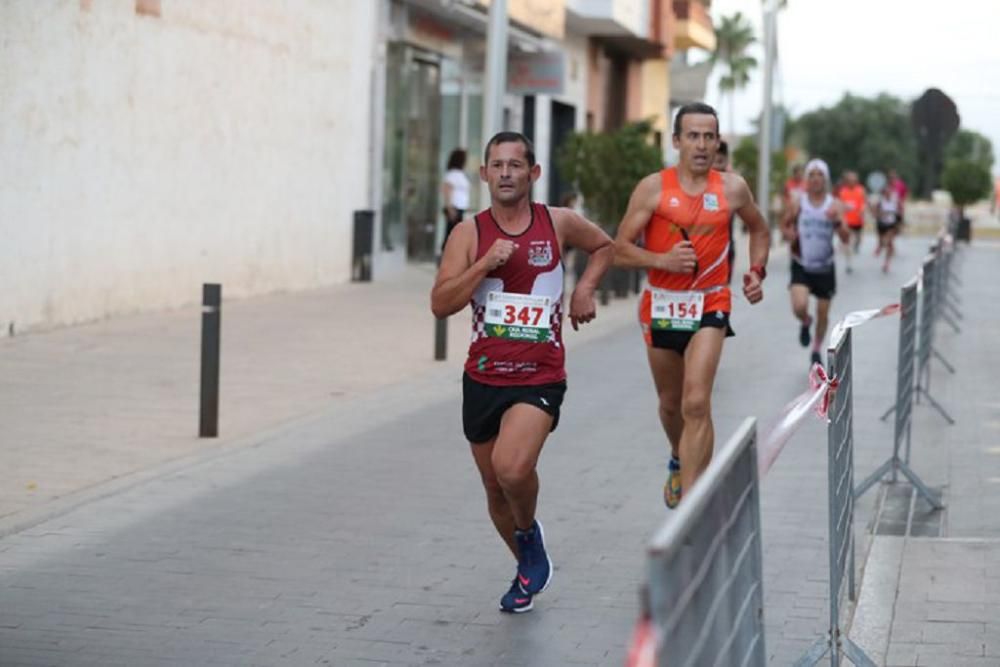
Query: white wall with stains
(142,155)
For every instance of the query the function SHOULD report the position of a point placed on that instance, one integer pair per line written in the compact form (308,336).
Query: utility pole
(496,78)
(764,157)
(496,69)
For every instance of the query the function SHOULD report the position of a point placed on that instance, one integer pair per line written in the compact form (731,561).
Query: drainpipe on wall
(376,144)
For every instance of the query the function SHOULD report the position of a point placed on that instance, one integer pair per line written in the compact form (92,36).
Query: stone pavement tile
(902,653)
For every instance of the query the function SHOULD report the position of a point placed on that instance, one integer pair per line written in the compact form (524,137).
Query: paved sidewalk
(86,405)
(357,534)
(936,600)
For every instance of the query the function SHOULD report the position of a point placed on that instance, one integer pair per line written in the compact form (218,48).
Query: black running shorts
(884,228)
(678,340)
(822,285)
(483,405)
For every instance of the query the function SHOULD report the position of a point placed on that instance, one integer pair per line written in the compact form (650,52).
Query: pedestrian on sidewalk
(455,191)
(683,213)
(809,225)
(507,263)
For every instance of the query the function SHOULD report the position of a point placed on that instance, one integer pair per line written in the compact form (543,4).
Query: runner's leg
(523,430)
(800,302)
(799,295)
(822,320)
(496,501)
(701,361)
(890,247)
(667,367)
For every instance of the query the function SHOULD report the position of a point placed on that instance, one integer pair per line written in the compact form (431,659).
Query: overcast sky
(903,47)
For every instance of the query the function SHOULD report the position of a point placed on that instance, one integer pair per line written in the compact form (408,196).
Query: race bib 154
(676,311)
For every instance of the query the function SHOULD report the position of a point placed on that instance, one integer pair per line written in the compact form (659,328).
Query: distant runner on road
(854,199)
(809,225)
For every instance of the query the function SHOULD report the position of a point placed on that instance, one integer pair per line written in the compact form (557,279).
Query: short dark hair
(723,148)
(508,137)
(694,108)
(457,159)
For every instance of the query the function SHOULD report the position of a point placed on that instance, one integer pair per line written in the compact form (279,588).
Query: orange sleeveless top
(705,219)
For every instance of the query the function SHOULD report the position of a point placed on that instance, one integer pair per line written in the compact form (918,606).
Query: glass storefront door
(433,105)
(413,137)
(423,136)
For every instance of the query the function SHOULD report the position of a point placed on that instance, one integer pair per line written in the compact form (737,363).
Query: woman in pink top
(898,186)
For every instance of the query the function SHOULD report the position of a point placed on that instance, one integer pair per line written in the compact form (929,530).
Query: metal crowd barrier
(905,389)
(840,483)
(944,249)
(929,301)
(706,597)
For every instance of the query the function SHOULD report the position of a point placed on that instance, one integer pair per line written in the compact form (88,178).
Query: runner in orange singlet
(854,198)
(683,213)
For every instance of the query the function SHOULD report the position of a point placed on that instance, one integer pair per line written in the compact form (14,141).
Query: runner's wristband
(759,270)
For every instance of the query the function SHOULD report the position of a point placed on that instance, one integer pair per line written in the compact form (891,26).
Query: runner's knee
(512,471)
(670,405)
(695,408)
(494,492)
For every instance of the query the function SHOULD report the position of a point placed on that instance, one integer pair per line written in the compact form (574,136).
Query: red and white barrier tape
(860,317)
(815,399)
(642,647)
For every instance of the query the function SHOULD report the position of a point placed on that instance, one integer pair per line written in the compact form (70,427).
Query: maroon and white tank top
(517,309)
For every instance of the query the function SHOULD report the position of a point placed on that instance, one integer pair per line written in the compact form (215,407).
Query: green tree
(862,134)
(734,35)
(745,162)
(972,146)
(967,181)
(607,166)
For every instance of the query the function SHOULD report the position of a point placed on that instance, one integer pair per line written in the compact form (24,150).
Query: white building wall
(224,141)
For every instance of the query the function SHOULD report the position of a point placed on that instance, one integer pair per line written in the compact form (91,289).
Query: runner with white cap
(809,225)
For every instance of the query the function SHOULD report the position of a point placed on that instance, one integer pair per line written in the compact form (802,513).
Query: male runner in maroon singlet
(507,262)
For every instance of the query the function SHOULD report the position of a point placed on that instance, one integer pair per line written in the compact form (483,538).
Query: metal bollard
(364,242)
(211,325)
(441,339)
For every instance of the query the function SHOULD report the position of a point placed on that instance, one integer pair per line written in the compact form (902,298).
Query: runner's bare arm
(460,273)
(837,215)
(641,205)
(581,233)
(741,200)
(788,221)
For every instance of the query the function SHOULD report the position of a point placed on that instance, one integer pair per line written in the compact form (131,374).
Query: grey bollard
(211,325)
(441,339)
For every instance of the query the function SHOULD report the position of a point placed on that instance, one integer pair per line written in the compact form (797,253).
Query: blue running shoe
(516,601)
(672,488)
(534,568)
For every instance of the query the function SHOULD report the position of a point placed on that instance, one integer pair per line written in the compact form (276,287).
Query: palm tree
(734,35)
